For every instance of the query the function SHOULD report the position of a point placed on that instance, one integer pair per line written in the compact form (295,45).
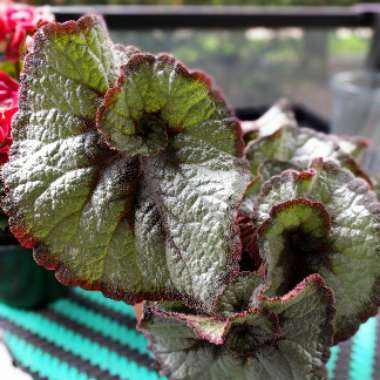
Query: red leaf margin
(196,75)
(294,202)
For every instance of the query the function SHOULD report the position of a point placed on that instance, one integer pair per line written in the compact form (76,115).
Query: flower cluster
(17,21)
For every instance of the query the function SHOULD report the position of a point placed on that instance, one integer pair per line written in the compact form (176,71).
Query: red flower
(8,91)
(20,16)
(15,44)
(5,134)
(16,22)
(3,29)
(8,107)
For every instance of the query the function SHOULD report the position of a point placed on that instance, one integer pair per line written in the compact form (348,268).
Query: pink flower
(16,22)
(8,107)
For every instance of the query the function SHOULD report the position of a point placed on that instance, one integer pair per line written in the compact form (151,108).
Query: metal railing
(233,17)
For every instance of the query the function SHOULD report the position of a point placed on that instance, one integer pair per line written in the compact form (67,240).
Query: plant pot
(23,284)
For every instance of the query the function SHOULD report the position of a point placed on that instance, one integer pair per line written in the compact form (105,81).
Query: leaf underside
(141,201)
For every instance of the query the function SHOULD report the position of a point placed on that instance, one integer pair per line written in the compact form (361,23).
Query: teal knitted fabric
(89,337)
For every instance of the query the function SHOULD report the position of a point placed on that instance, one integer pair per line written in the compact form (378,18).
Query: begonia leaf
(183,130)
(284,338)
(250,260)
(376,187)
(297,147)
(158,95)
(274,167)
(324,221)
(250,195)
(278,116)
(351,145)
(235,297)
(141,202)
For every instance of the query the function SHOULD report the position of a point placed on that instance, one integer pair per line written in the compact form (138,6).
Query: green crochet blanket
(89,337)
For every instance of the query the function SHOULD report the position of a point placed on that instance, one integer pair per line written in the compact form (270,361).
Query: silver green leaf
(235,297)
(285,338)
(277,142)
(327,221)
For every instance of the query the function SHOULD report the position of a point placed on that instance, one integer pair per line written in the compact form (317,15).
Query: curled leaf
(156,97)
(293,242)
(278,116)
(351,145)
(324,221)
(284,338)
(291,147)
(236,296)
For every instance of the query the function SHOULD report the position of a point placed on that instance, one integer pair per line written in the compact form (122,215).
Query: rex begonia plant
(129,174)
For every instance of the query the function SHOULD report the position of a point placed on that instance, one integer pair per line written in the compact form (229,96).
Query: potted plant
(22,282)
(129,174)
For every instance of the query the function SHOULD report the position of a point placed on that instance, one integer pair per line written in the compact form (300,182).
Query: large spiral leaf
(141,204)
